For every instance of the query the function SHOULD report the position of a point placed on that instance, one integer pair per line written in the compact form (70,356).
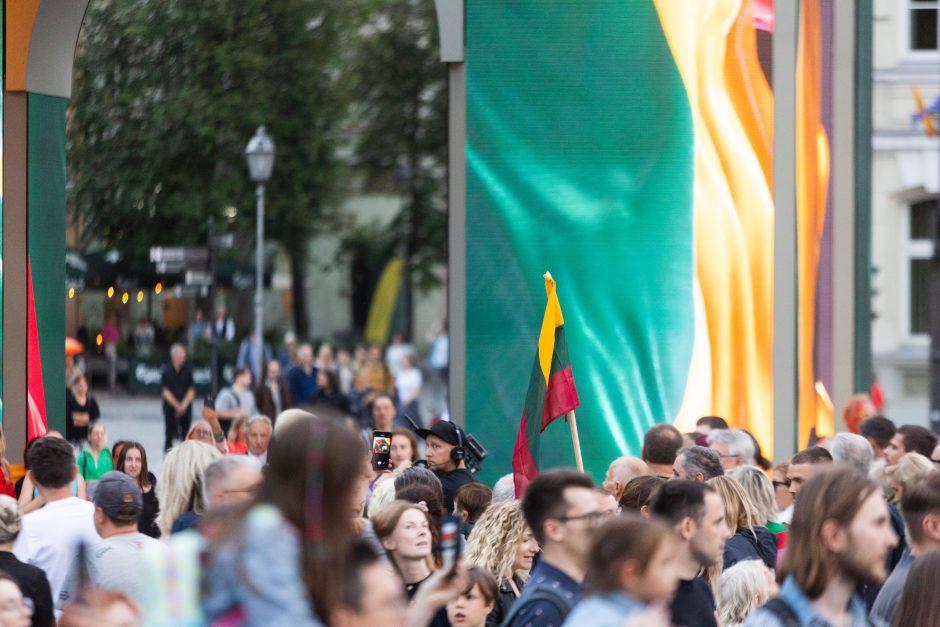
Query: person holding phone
(404,449)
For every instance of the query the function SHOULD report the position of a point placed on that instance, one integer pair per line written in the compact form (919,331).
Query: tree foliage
(400,118)
(167,95)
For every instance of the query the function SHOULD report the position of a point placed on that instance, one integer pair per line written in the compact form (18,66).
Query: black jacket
(744,545)
(34,585)
(504,600)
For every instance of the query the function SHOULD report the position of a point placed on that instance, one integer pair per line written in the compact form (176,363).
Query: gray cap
(119,497)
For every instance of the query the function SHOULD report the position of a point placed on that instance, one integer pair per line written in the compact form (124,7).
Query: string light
(140,296)
(71,292)
(110,291)
(158,288)
(99,340)
(125,297)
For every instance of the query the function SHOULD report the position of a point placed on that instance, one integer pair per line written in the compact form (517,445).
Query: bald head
(621,471)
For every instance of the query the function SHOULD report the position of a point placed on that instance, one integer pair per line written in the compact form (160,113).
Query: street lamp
(260,156)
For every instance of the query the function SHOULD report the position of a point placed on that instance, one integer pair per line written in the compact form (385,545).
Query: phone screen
(450,541)
(381,449)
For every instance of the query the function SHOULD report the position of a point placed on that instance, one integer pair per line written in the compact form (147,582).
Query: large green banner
(579,162)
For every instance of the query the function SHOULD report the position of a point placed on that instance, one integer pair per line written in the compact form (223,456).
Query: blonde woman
(761,492)
(742,589)
(750,540)
(179,489)
(911,466)
(502,543)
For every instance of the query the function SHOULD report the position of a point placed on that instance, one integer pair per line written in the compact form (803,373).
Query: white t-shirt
(49,538)
(408,384)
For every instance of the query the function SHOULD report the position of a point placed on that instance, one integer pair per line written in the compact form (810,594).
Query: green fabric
(775,527)
(91,471)
(580,162)
(46,202)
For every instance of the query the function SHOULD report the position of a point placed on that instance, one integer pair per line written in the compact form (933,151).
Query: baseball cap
(119,497)
(443,429)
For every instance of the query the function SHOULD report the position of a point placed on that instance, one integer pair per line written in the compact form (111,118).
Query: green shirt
(91,471)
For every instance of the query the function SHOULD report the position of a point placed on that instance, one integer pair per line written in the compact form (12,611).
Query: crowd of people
(350,383)
(288,520)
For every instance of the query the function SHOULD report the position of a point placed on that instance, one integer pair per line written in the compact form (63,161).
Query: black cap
(119,496)
(443,429)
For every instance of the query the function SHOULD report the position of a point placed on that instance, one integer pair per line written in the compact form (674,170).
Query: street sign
(178,254)
(197,277)
(166,267)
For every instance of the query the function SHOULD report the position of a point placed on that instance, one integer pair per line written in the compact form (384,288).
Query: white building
(905,190)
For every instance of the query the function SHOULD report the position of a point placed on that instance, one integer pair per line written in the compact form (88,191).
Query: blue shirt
(302,386)
(806,613)
(886,605)
(608,610)
(543,612)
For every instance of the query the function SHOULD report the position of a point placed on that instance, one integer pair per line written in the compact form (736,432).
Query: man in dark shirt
(445,453)
(698,517)
(302,379)
(31,579)
(562,510)
(178,390)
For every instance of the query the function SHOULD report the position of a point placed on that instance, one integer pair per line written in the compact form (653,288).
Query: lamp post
(260,156)
(405,179)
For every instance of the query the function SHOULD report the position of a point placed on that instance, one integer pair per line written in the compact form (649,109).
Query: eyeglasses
(593,518)
(781,484)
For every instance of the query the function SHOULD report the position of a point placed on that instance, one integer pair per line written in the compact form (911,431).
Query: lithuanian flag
(551,394)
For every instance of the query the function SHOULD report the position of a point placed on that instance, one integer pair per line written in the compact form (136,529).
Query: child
(631,572)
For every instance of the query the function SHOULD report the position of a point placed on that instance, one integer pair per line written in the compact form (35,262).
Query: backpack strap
(782,611)
(545,593)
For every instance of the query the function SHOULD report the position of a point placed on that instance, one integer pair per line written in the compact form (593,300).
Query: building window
(919,260)
(922,30)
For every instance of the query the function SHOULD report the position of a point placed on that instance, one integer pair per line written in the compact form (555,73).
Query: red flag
(551,393)
(36,424)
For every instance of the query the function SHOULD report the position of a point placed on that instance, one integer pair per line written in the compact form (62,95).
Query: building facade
(905,193)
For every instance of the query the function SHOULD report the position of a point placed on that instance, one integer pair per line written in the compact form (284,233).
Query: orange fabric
(20,17)
(812,177)
(733,204)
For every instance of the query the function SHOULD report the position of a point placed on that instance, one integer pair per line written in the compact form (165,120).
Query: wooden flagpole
(573,423)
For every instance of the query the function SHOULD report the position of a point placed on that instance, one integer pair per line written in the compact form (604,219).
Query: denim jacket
(607,610)
(806,613)
(256,580)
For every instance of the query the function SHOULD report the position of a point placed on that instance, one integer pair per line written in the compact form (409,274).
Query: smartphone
(209,402)
(450,541)
(381,449)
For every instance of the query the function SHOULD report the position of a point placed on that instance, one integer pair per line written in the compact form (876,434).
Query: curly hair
(496,535)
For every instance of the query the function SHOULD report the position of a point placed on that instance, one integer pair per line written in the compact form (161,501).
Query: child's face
(658,582)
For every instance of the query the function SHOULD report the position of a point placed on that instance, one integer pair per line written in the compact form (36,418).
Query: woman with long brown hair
(133,463)
(275,559)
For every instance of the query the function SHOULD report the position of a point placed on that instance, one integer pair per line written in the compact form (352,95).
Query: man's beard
(853,569)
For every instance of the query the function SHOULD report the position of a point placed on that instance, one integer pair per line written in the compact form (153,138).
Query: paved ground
(135,418)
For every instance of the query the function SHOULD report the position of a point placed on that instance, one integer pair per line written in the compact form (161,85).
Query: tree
(168,93)
(401,123)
